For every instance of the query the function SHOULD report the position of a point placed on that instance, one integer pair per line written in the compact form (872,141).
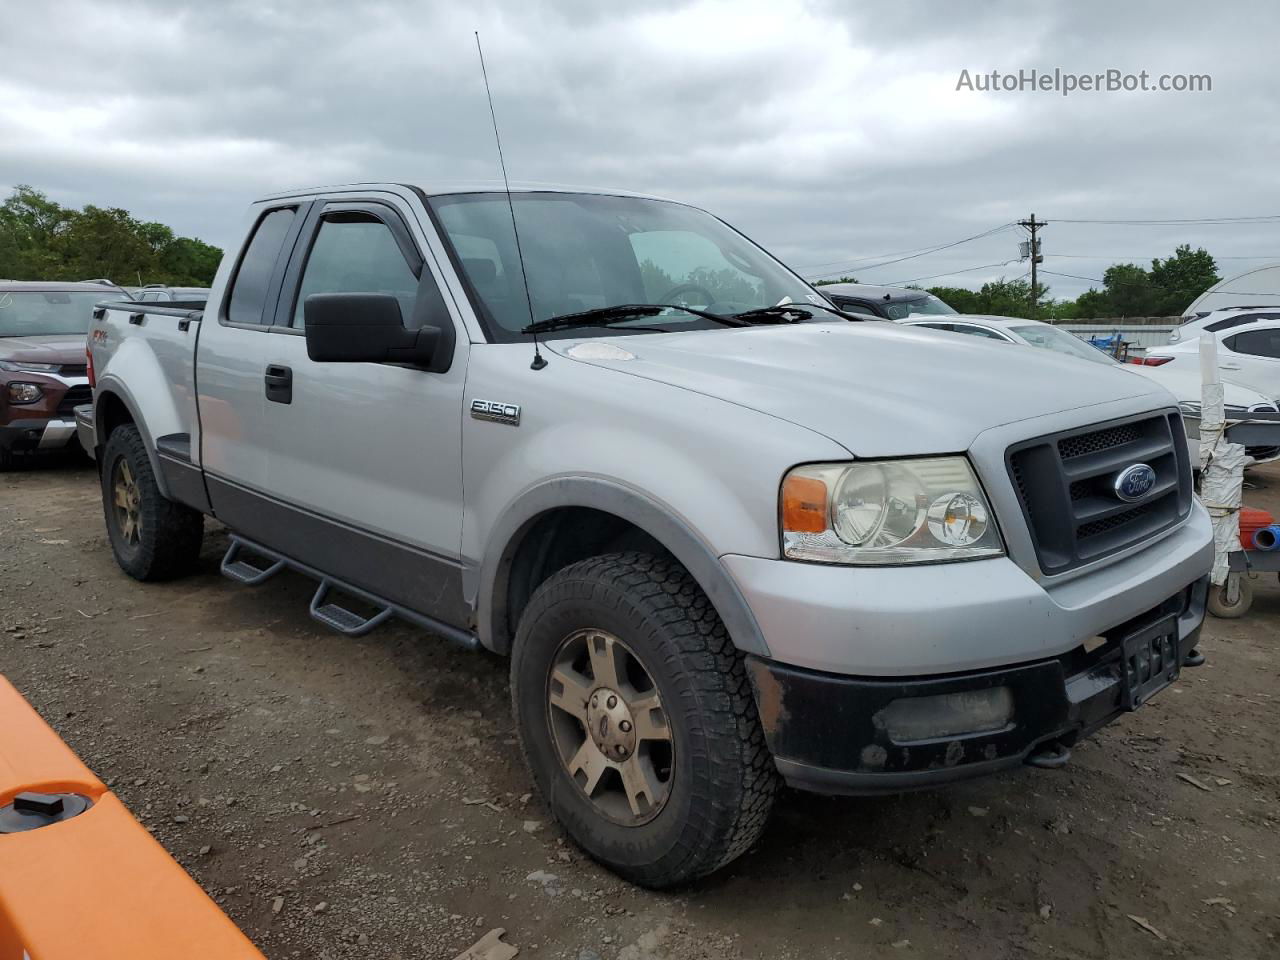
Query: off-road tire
(723,779)
(170,534)
(8,459)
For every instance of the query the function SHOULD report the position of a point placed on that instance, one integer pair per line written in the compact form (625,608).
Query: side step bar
(333,615)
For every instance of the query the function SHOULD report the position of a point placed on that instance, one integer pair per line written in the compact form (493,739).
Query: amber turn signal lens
(804,505)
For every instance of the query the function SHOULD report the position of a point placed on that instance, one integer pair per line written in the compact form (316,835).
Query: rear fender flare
(113,386)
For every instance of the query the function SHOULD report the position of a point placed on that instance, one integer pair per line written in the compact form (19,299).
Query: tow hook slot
(1052,756)
(31,811)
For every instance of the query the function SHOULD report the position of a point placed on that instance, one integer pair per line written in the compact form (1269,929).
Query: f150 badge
(497,411)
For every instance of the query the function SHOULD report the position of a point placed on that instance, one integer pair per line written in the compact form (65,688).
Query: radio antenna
(538,361)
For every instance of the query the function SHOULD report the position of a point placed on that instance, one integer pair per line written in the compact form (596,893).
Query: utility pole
(1033,250)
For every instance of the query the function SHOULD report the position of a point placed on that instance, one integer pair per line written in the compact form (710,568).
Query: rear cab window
(252,286)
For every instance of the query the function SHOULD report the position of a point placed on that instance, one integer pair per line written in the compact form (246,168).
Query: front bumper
(929,619)
(50,434)
(828,734)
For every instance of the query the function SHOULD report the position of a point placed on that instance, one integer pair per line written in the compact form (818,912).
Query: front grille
(1066,485)
(73,398)
(1098,440)
(74,369)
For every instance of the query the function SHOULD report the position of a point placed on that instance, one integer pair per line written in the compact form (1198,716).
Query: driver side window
(356,253)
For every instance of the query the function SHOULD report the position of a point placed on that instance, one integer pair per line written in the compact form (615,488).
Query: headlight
(17,365)
(887,512)
(24,392)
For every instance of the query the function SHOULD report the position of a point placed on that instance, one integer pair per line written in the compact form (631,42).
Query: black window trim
(301,209)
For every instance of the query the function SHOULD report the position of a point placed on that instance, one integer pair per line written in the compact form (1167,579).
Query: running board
(337,617)
(242,571)
(333,615)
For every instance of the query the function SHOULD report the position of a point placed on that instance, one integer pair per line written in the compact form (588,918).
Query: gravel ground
(365,798)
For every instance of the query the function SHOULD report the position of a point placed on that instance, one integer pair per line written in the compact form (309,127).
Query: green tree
(1181,278)
(824,283)
(1001,298)
(42,240)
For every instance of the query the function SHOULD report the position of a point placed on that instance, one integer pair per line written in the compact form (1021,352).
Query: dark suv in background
(43,374)
(887,303)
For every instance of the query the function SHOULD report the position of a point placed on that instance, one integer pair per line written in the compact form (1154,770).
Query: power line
(1073,276)
(985,266)
(910,255)
(1133,256)
(1262,218)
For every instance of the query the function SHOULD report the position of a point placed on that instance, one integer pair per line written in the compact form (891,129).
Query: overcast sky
(833,133)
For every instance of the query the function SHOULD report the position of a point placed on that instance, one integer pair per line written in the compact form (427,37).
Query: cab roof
(58,286)
(438,188)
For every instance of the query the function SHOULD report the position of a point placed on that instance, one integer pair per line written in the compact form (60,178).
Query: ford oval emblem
(1135,482)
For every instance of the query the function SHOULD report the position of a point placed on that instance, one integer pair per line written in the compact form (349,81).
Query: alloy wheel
(609,726)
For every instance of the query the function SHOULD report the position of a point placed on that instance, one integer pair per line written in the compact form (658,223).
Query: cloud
(830,132)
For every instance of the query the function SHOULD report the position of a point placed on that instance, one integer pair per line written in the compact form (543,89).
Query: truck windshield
(587,251)
(34,313)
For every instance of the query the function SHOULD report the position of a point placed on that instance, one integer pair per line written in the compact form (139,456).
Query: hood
(877,389)
(50,348)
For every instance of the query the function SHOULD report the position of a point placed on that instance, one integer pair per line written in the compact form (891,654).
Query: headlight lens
(15,365)
(24,392)
(887,512)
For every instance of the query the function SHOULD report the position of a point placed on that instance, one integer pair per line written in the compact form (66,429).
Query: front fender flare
(660,522)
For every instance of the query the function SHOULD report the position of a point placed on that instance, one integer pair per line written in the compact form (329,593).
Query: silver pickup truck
(727,536)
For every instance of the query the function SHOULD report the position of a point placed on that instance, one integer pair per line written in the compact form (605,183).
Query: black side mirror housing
(364,328)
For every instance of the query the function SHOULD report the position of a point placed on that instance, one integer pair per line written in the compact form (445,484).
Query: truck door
(365,458)
(234,436)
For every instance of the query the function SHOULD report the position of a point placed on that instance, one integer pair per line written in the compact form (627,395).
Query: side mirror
(364,328)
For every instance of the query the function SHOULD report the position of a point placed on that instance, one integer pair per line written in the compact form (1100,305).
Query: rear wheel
(637,720)
(152,537)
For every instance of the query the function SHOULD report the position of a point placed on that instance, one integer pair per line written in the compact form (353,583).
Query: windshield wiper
(785,313)
(604,316)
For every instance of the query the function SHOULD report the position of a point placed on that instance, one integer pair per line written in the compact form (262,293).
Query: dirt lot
(373,792)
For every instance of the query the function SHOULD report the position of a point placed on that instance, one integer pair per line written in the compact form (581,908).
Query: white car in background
(1217,321)
(1247,354)
(1180,379)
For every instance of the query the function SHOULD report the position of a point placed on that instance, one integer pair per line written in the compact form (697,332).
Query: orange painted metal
(97,885)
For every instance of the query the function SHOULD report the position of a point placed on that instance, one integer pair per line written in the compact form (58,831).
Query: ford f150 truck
(727,537)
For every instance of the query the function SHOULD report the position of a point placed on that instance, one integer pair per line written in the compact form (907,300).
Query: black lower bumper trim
(828,732)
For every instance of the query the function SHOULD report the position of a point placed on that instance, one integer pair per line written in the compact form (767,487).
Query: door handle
(1229,366)
(279,383)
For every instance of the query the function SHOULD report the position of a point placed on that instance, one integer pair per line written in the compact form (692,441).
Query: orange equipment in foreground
(81,881)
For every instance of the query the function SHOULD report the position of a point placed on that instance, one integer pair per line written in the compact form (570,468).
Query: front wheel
(152,537)
(637,720)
